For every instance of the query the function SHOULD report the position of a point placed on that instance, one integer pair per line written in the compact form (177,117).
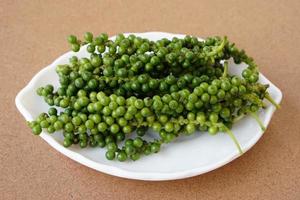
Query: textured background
(33,34)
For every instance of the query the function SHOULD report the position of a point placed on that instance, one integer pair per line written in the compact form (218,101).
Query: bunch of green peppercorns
(175,87)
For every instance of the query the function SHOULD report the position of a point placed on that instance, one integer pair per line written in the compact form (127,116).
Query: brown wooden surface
(33,34)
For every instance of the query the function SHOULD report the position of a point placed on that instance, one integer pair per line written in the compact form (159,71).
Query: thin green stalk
(269,98)
(222,45)
(225,70)
(219,48)
(255,116)
(229,132)
(238,118)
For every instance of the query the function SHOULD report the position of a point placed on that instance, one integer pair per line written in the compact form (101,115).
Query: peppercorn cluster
(131,84)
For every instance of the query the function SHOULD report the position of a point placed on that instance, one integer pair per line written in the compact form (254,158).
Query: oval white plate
(188,156)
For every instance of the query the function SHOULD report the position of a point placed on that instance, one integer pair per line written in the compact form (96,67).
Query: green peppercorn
(131,83)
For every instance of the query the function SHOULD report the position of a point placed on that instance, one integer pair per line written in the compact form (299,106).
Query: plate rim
(116,171)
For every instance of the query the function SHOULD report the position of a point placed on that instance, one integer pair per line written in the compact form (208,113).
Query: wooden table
(33,34)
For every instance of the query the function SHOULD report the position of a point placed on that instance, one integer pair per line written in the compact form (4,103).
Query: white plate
(187,156)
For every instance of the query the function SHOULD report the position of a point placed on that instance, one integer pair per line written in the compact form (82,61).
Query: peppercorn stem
(229,132)
(238,118)
(255,116)
(271,100)
(222,44)
(218,48)
(225,69)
